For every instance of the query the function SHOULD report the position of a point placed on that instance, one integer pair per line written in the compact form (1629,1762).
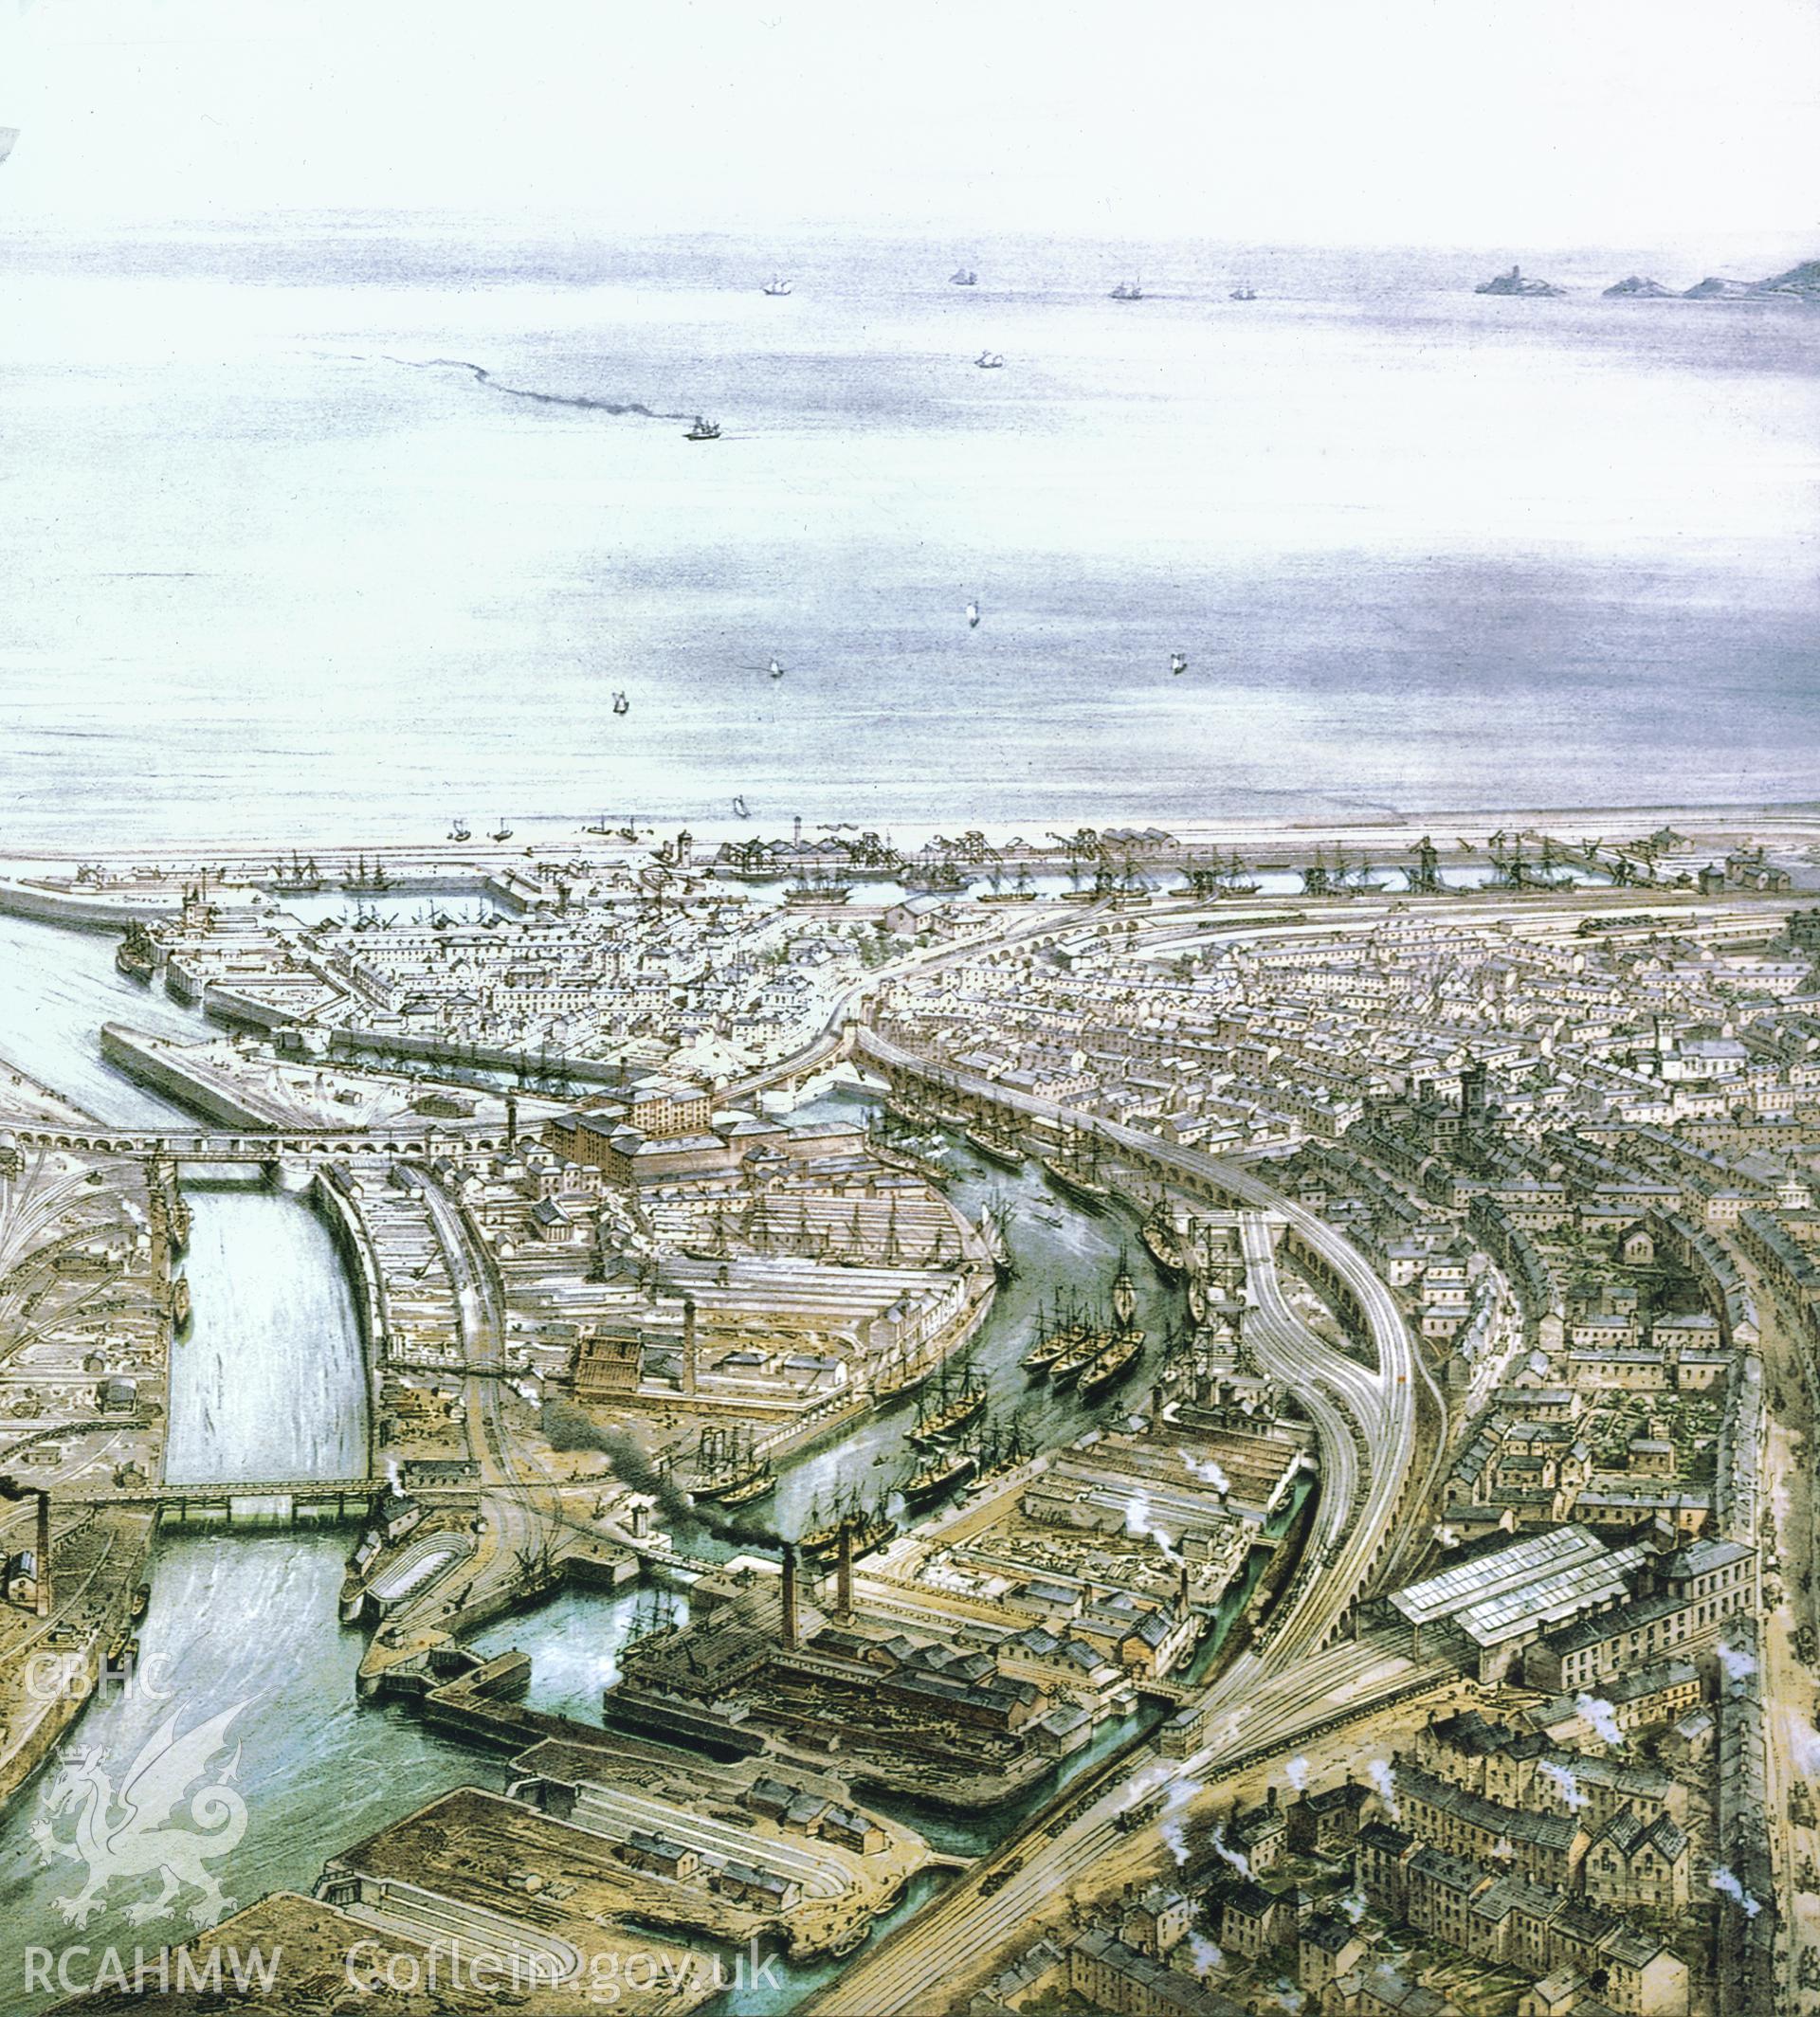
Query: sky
(1442,122)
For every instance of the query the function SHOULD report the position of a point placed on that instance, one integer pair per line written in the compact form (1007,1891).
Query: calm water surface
(273,570)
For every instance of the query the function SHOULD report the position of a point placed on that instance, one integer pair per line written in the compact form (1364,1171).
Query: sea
(344,528)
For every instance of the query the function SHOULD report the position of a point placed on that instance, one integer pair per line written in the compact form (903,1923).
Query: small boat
(459,831)
(502,832)
(775,668)
(990,360)
(704,430)
(773,286)
(1179,661)
(601,825)
(1244,294)
(740,807)
(1127,291)
(620,706)
(963,277)
(972,617)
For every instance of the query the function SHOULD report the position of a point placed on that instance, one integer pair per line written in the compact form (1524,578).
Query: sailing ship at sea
(775,285)
(990,360)
(704,430)
(1117,1354)
(1127,291)
(963,277)
(941,876)
(1063,1329)
(1111,1362)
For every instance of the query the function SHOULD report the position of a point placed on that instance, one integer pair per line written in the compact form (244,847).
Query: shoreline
(249,856)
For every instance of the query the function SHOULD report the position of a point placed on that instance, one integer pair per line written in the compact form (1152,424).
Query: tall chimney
(844,1571)
(688,1344)
(1182,1585)
(42,1578)
(790,1639)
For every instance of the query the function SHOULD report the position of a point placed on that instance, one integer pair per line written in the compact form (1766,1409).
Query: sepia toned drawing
(909,1008)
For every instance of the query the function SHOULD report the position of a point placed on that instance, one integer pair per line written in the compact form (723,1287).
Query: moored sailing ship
(136,954)
(729,1467)
(956,1404)
(1078,1175)
(1112,1362)
(1161,1243)
(995,1148)
(938,1474)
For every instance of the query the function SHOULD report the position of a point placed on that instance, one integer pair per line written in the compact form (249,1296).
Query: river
(269,1385)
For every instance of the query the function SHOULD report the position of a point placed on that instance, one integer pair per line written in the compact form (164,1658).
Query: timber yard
(1178,1425)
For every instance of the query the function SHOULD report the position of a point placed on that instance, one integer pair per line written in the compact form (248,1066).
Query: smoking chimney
(789,1637)
(688,1344)
(1181,1586)
(844,1571)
